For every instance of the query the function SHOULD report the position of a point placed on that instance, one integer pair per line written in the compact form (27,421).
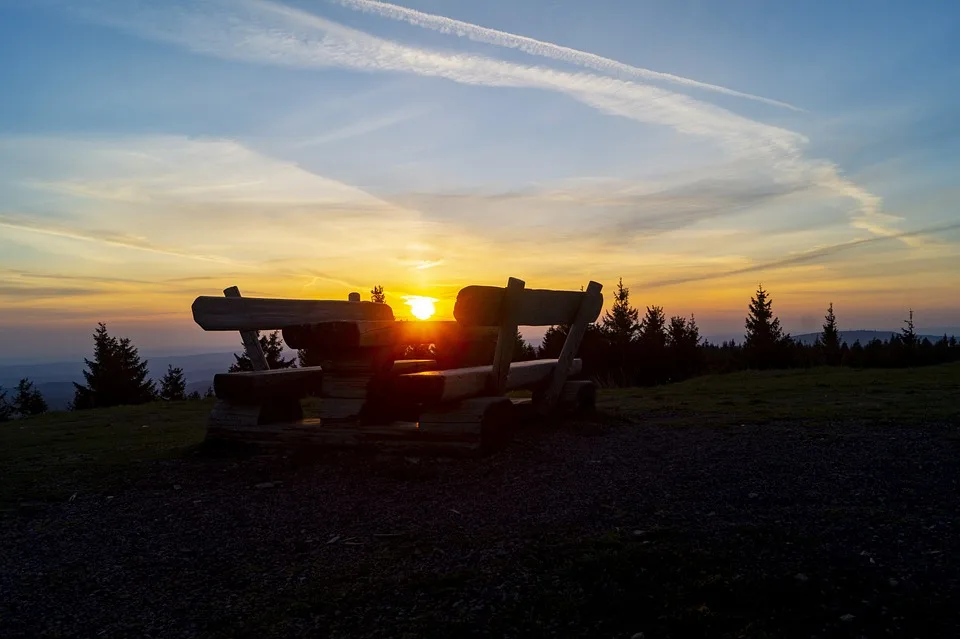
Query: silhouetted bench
(372,396)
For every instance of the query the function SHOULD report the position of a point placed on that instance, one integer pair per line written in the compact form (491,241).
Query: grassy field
(53,455)
(916,395)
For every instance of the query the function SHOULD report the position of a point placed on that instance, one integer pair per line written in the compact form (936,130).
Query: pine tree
(272,346)
(907,333)
(683,348)
(173,386)
(209,394)
(28,400)
(6,410)
(829,339)
(653,328)
(522,351)
(621,322)
(552,343)
(377,295)
(764,341)
(115,376)
(194,396)
(650,362)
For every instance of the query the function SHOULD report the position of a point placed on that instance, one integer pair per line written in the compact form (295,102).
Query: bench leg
(255,423)
(486,422)
(579,397)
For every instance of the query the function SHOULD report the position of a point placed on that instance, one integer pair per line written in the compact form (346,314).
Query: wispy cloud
(22,223)
(804,257)
(266,32)
(541,48)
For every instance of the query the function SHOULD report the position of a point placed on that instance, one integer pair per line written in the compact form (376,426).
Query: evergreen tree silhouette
(622,321)
(552,343)
(764,342)
(830,338)
(620,325)
(272,346)
(651,348)
(28,400)
(115,376)
(683,348)
(377,295)
(907,333)
(522,351)
(173,386)
(6,410)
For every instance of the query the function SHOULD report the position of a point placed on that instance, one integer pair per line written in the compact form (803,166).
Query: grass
(905,396)
(50,456)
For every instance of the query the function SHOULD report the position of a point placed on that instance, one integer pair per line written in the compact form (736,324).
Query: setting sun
(421,307)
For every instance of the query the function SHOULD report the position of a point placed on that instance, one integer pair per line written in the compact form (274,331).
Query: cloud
(539,48)
(263,32)
(801,258)
(103,237)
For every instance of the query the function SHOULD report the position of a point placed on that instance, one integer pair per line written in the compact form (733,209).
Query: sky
(151,152)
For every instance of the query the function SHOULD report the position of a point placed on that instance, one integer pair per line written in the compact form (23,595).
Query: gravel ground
(604,530)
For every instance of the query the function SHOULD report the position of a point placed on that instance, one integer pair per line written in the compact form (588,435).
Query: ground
(804,503)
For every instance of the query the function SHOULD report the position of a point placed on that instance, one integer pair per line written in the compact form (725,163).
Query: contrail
(538,47)
(806,256)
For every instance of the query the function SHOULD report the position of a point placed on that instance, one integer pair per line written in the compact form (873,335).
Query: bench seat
(431,387)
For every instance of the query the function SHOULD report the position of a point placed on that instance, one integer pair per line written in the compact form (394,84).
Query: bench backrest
(515,306)
(483,306)
(255,313)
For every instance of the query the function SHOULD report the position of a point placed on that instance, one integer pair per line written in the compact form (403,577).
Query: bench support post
(251,340)
(570,347)
(507,339)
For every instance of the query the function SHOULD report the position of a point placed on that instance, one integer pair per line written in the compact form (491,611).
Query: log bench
(371,396)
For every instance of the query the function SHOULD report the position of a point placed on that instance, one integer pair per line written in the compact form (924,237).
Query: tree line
(623,348)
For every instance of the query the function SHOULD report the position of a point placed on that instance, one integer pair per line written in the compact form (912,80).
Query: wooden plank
(507,339)
(254,313)
(251,339)
(405,366)
(364,334)
(256,386)
(481,306)
(592,297)
(433,387)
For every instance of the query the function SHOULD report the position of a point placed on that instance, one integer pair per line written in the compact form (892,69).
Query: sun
(421,307)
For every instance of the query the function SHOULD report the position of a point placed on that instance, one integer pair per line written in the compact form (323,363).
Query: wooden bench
(370,395)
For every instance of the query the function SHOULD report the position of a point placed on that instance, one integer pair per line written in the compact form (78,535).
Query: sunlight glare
(421,307)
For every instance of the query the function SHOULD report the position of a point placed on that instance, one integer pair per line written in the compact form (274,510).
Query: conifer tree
(116,374)
(6,410)
(28,400)
(830,338)
(522,351)
(552,343)
(377,295)
(764,341)
(272,346)
(907,333)
(173,385)
(621,323)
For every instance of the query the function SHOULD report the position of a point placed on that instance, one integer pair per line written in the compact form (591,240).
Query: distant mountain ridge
(849,337)
(55,380)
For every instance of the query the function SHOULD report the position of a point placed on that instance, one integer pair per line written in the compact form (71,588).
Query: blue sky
(154,151)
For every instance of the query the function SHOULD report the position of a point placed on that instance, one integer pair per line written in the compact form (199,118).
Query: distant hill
(849,337)
(55,380)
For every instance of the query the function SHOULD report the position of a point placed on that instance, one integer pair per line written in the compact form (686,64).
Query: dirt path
(780,530)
